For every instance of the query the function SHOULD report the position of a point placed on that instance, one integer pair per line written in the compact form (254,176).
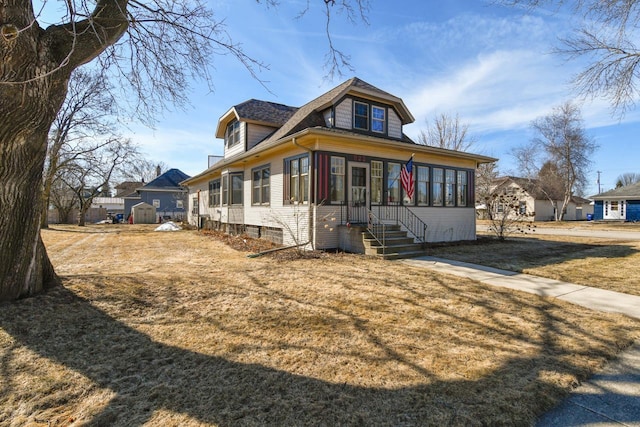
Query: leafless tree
(151,47)
(79,127)
(558,158)
(143,170)
(506,216)
(628,178)
(89,174)
(607,38)
(446,131)
(61,197)
(486,175)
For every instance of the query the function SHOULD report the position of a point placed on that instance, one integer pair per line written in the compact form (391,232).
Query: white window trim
(383,120)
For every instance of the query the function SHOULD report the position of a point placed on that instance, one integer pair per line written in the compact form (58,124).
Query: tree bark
(25,268)
(35,66)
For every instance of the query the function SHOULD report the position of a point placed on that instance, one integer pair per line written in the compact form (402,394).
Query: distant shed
(143,213)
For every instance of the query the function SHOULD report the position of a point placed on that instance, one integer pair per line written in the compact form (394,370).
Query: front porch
(390,232)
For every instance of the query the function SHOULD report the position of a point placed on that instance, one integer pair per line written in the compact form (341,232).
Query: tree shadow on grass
(147,376)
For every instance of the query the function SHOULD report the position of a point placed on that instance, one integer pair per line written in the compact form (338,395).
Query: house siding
(395,124)
(203,209)
(448,224)
(633,210)
(544,211)
(325,231)
(256,133)
(167,203)
(344,114)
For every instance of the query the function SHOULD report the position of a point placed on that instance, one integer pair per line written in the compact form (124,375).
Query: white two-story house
(315,173)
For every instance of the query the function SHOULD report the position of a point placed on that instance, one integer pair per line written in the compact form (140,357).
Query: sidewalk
(610,398)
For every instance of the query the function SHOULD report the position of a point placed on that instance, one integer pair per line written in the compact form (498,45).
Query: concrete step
(402,255)
(389,241)
(387,234)
(391,249)
(388,227)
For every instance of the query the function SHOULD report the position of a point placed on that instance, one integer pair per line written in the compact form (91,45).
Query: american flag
(406,177)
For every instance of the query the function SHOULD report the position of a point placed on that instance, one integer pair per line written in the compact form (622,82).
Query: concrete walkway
(610,398)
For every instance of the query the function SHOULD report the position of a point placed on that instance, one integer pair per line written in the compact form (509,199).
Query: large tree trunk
(25,268)
(35,66)
(28,106)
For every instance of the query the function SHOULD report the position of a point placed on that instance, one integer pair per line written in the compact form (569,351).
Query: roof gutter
(322,131)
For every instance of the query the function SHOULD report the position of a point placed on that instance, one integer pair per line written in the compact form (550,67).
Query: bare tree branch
(558,158)
(606,38)
(446,131)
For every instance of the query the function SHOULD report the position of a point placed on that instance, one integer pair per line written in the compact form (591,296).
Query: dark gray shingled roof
(308,116)
(264,111)
(626,192)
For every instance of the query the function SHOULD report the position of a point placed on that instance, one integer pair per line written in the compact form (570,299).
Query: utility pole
(599,181)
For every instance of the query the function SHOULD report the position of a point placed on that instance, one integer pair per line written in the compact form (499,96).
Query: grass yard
(606,264)
(178,329)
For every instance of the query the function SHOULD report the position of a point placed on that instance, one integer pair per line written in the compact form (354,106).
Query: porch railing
(377,229)
(404,216)
(379,215)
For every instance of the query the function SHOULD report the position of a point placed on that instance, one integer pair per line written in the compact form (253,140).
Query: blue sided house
(164,193)
(620,204)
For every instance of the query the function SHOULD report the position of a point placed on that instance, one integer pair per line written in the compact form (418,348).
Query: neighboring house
(164,193)
(534,202)
(113,205)
(620,204)
(127,187)
(323,171)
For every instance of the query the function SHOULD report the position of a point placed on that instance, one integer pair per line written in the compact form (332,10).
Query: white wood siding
(448,224)
(193,194)
(204,210)
(239,147)
(325,231)
(293,220)
(256,133)
(344,115)
(395,124)
(544,211)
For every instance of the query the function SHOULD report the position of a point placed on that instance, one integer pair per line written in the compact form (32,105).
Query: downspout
(198,212)
(310,225)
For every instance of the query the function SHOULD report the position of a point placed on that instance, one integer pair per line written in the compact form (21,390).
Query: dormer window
(378,119)
(361,116)
(232,136)
(370,118)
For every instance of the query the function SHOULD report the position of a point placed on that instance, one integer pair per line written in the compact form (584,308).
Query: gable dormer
(363,108)
(370,117)
(247,124)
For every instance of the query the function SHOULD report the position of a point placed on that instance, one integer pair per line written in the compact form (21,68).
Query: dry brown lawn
(178,329)
(601,263)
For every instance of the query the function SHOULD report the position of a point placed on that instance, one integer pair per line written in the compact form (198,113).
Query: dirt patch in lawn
(180,329)
(601,263)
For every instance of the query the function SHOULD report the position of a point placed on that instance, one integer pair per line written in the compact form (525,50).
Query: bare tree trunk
(46,196)
(82,214)
(35,65)
(25,268)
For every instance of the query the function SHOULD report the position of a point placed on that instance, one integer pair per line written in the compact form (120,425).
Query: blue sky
(490,64)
